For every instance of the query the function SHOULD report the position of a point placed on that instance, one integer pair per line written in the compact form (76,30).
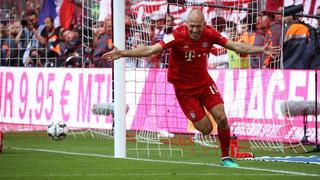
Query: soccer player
(195,90)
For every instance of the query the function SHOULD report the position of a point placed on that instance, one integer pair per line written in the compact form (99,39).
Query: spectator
(168,29)
(169,26)
(275,28)
(218,57)
(244,32)
(50,40)
(318,14)
(9,46)
(236,60)
(129,24)
(3,35)
(36,59)
(3,29)
(70,48)
(261,38)
(30,6)
(102,42)
(30,37)
(157,27)
(295,42)
(276,36)
(128,14)
(312,53)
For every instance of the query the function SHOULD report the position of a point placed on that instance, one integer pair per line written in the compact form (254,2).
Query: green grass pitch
(35,156)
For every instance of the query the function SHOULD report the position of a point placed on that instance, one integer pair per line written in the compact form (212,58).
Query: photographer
(30,36)
(71,48)
(35,59)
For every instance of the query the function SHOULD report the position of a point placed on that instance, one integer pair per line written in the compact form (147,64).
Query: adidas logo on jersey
(186,46)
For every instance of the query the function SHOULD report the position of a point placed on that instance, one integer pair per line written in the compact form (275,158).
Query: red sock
(224,138)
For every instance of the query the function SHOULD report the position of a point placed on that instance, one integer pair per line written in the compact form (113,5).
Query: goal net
(254,88)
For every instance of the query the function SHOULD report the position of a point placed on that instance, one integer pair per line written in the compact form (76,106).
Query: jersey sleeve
(218,38)
(168,41)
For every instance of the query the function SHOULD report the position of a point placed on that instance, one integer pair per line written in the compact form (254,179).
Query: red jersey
(188,59)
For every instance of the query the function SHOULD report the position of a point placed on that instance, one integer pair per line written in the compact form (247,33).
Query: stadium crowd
(24,42)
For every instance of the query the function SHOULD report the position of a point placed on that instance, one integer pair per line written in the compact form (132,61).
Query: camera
(24,22)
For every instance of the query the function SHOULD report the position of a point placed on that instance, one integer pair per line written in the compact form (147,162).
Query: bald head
(196,15)
(196,24)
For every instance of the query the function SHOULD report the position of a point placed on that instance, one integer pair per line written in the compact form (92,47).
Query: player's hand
(272,51)
(112,55)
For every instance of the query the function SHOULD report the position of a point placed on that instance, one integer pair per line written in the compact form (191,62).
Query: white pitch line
(167,161)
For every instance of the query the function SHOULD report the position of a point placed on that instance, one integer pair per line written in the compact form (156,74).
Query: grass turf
(35,156)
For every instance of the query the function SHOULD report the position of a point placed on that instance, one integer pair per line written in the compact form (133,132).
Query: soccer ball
(57,130)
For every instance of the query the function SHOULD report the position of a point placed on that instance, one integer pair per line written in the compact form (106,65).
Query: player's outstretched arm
(142,51)
(272,51)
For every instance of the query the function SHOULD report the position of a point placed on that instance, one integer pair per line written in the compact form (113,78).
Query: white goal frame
(119,81)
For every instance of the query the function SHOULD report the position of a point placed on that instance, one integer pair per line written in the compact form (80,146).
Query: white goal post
(119,81)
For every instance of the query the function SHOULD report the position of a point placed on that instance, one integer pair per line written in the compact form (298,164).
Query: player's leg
(218,113)
(203,125)
(213,102)
(220,117)
(194,110)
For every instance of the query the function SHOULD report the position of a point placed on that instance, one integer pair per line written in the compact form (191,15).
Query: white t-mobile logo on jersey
(189,55)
